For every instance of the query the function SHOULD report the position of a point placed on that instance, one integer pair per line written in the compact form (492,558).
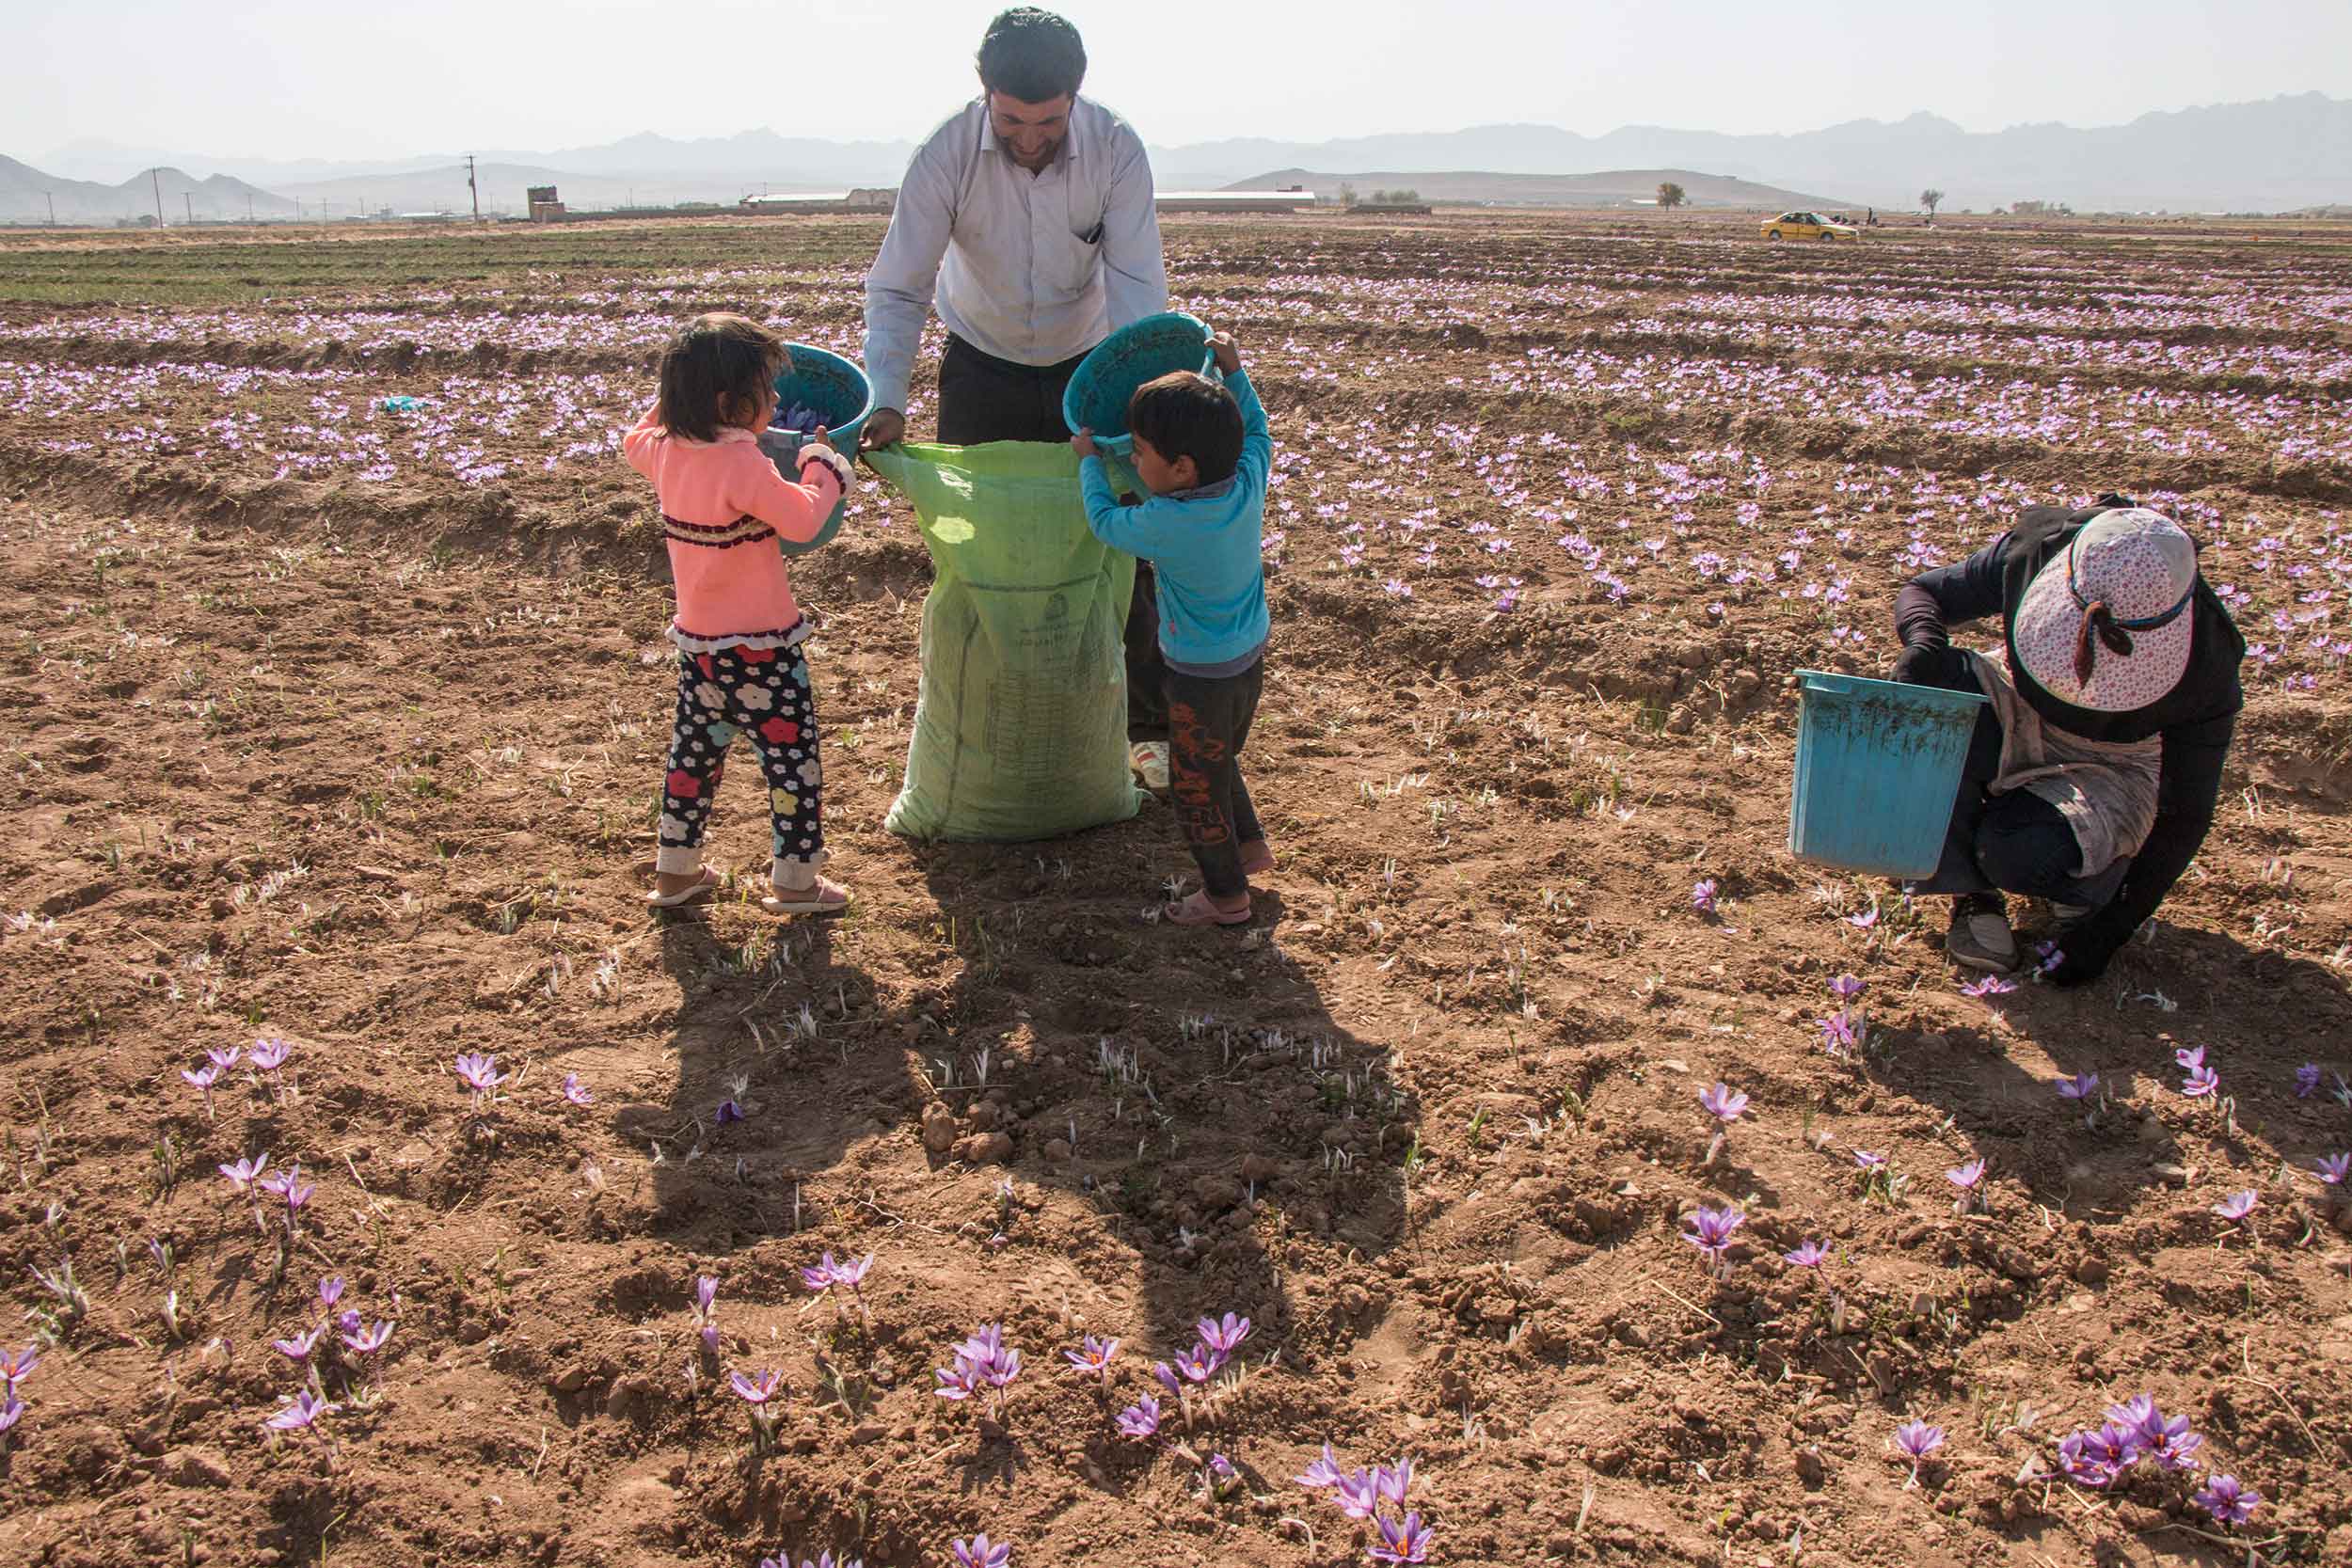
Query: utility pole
(187,199)
(474,189)
(53,207)
(155,177)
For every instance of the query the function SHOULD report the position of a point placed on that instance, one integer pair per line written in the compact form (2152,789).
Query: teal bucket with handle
(1106,380)
(840,394)
(1878,769)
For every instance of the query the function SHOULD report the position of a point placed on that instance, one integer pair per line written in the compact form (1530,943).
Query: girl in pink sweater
(738,632)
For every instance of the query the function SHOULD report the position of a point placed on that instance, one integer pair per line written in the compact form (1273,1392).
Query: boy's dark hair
(715,359)
(1032,54)
(1184,414)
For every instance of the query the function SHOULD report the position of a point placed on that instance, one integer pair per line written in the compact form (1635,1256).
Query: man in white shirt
(1027,220)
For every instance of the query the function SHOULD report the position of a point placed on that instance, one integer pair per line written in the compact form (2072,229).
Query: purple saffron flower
(1866,919)
(2081,1087)
(1389,1483)
(1167,1378)
(1966,1176)
(1918,1439)
(2226,1501)
(1405,1540)
(1722,1103)
(2306,1080)
(2333,1168)
(305,1411)
(2049,957)
(242,1175)
(1093,1356)
(2175,1448)
(576,1091)
(1141,1419)
(757,1388)
(818,1276)
(2238,1205)
(331,1289)
(1847,987)
(1225,1336)
(1200,1363)
(1703,897)
(11,1412)
(1808,1255)
(204,1078)
(367,1342)
(1838,1033)
(706,1293)
(1992,985)
(1358,1493)
(221,1057)
(2201,1081)
(2190,1060)
(960,1381)
(1321,1472)
(1869,1161)
(297,1347)
(16,1366)
(728,1111)
(269,1052)
(480,1074)
(852,1272)
(979,1553)
(1710,1230)
(348,1320)
(986,1350)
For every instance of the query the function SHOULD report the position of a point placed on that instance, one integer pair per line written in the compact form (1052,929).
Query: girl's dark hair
(1032,54)
(1186,415)
(715,362)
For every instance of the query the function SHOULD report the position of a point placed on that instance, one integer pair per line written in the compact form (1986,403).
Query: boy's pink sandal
(822,896)
(711,881)
(1200,910)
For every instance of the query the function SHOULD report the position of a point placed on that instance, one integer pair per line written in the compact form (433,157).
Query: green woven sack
(1020,722)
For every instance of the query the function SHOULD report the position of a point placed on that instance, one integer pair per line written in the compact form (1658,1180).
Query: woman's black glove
(1933,664)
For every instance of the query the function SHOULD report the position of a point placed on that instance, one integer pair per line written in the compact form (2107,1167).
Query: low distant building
(867,199)
(1232,201)
(546,206)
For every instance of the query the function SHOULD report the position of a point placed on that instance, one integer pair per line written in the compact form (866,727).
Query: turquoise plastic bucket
(1097,396)
(1878,769)
(835,388)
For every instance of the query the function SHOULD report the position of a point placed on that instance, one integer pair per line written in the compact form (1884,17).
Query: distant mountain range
(2278,154)
(1624,187)
(28,193)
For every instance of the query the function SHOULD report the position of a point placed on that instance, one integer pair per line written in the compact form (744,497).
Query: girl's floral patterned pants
(762,694)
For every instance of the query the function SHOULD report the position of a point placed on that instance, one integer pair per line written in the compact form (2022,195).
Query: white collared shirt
(1034,268)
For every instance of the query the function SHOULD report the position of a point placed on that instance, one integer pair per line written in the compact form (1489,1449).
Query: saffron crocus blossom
(1093,1356)
(367,1342)
(204,1078)
(331,1289)
(2190,1059)
(1847,987)
(269,1052)
(2083,1085)
(11,1412)
(1200,1363)
(1358,1493)
(576,1091)
(755,1389)
(16,1366)
(1917,1440)
(1710,1230)
(2306,1080)
(2226,1501)
(1966,1178)
(1406,1539)
(1992,985)
(1866,919)
(1389,1483)
(305,1411)
(1141,1419)
(2333,1168)
(1703,897)
(728,1111)
(1724,1102)
(2238,1205)
(242,1175)
(1870,1163)
(1224,1337)
(2200,1082)
(297,1347)
(1167,1377)
(1321,1472)
(2136,1428)
(223,1057)
(2096,1458)
(980,1552)
(480,1074)
(1808,1255)
(960,1381)
(1838,1033)
(986,1350)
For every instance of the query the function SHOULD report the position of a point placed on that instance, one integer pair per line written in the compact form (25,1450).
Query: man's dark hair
(1032,55)
(1184,414)
(714,357)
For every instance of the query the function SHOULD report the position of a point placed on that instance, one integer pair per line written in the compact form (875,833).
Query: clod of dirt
(195,1467)
(939,1127)
(982,1149)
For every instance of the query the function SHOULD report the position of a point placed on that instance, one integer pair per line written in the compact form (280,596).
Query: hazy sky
(271,78)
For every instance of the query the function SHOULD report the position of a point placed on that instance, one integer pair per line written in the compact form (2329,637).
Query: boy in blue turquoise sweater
(1203,450)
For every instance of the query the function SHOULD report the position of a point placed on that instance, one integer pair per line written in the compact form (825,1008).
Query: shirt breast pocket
(1080,253)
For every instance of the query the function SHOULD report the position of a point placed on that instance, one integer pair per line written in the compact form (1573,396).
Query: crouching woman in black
(2094,769)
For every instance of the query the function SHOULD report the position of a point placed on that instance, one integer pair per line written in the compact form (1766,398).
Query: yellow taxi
(1808,225)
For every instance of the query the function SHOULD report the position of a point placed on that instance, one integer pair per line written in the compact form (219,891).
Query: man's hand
(1228,355)
(1083,444)
(884,427)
